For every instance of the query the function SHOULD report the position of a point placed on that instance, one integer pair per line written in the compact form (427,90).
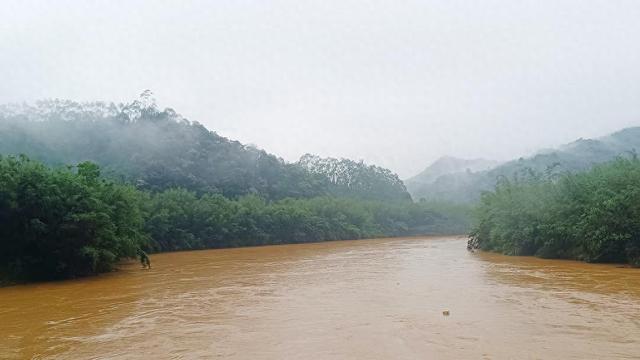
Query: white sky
(396,83)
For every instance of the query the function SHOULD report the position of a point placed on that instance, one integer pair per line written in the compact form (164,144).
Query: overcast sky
(396,83)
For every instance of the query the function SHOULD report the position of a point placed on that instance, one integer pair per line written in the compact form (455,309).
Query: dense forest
(592,216)
(62,223)
(146,179)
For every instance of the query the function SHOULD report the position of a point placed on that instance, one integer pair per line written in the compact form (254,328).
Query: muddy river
(366,299)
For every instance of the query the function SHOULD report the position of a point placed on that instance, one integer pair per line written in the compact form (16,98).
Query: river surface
(366,299)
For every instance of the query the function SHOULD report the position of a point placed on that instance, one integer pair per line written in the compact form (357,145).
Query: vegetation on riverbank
(59,223)
(179,219)
(592,216)
(66,222)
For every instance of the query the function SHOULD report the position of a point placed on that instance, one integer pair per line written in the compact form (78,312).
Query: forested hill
(580,155)
(159,149)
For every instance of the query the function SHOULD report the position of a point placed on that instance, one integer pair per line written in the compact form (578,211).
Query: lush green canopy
(180,219)
(63,223)
(592,216)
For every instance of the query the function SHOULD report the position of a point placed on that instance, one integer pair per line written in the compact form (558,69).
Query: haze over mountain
(159,149)
(448,165)
(448,180)
(374,80)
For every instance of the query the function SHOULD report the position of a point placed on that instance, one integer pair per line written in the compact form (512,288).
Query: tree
(59,223)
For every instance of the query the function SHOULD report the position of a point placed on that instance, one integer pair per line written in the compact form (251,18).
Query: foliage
(179,219)
(63,223)
(592,216)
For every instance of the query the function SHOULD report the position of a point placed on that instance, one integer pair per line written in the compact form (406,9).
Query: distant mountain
(580,155)
(449,165)
(159,149)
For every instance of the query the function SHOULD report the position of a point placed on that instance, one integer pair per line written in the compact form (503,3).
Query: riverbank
(592,216)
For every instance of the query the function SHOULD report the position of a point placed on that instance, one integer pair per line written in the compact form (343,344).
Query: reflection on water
(368,299)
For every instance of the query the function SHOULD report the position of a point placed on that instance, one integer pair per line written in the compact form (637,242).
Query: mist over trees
(154,149)
(159,149)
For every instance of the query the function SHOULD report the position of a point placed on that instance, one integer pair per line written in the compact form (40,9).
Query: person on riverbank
(144,259)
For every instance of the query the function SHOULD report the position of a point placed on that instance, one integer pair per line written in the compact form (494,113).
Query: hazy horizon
(396,85)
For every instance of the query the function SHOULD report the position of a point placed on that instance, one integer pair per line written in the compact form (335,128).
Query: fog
(397,84)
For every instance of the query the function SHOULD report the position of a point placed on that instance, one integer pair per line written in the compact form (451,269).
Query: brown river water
(366,299)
